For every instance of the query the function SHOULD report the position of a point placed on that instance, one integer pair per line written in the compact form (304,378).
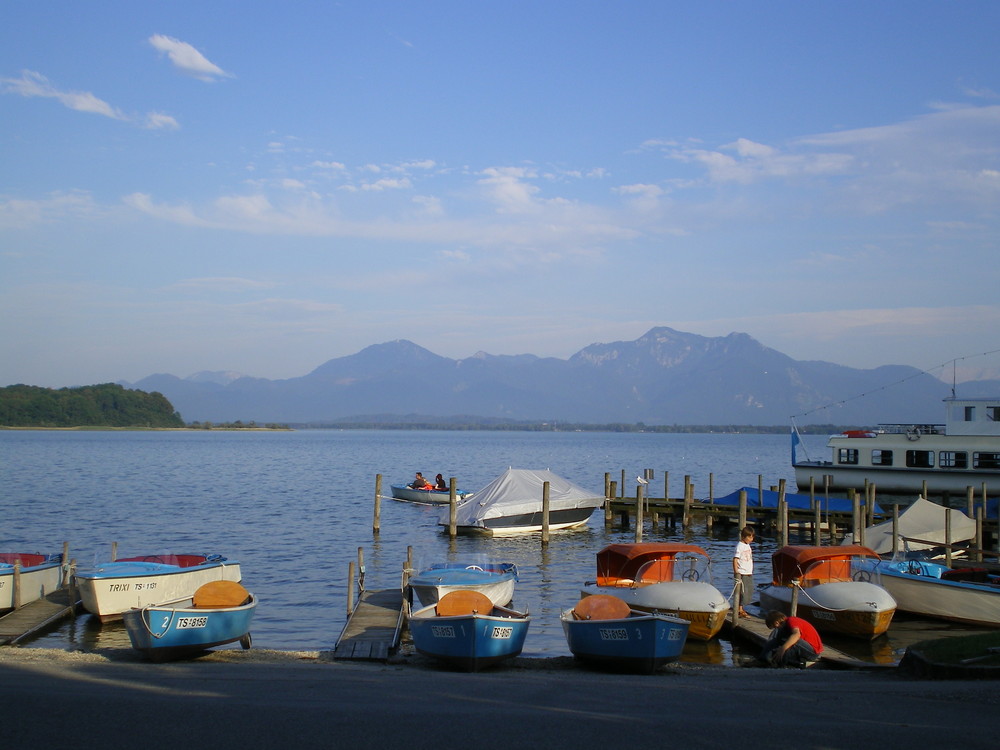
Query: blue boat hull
(163,633)
(639,643)
(469,642)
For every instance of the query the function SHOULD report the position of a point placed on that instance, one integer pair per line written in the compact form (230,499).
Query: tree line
(104,405)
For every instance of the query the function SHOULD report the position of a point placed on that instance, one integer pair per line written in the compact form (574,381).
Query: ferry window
(970,413)
(993,413)
(847,456)
(953,460)
(986,460)
(881,458)
(920,459)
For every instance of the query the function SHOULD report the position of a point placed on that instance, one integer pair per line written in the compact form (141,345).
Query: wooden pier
(373,628)
(35,616)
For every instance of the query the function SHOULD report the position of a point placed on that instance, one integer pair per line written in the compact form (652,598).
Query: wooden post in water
(114,551)
(895,529)
(743,509)
(622,485)
(923,491)
(407,590)
(452,510)
(782,513)
(65,563)
(607,497)
(855,513)
(970,502)
(709,516)
(666,485)
(361,569)
(350,588)
(947,536)
(688,494)
(795,597)
(980,520)
(377,517)
(639,520)
(817,521)
(545,513)
(16,593)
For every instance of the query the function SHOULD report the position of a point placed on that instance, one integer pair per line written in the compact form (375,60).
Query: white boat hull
(108,596)
(500,593)
(35,583)
(856,608)
(696,601)
(955,601)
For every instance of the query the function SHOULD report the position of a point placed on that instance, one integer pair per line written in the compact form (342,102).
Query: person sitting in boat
(793,642)
(439,483)
(419,483)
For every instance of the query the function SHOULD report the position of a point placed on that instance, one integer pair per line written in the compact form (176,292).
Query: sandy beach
(265,699)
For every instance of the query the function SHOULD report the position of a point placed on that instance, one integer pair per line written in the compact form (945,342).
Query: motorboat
(218,613)
(603,630)
(465,630)
(832,588)
(116,587)
(513,504)
(922,525)
(666,577)
(37,576)
(426,496)
(495,580)
(899,458)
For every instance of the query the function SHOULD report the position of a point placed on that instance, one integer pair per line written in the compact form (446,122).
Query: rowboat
(602,630)
(968,594)
(38,575)
(116,587)
(220,612)
(833,589)
(495,580)
(663,577)
(900,458)
(513,504)
(467,631)
(426,497)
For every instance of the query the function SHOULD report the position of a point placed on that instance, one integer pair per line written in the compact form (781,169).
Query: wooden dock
(753,630)
(35,616)
(373,628)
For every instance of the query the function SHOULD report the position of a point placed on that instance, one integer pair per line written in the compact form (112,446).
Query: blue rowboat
(467,631)
(602,630)
(495,580)
(218,613)
(426,497)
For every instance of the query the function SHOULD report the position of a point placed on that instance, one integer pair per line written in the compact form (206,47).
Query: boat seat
(601,607)
(972,575)
(463,602)
(219,595)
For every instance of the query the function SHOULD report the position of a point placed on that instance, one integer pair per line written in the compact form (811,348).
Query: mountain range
(665,377)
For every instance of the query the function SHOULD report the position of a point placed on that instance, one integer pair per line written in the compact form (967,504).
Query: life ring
(913,434)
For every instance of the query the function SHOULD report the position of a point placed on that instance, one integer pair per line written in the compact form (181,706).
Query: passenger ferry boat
(899,458)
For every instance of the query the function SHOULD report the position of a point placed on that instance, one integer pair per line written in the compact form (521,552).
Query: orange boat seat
(601,607)
(464,602)
(220,594)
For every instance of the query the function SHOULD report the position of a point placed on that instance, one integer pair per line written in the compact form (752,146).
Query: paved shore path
(248,700)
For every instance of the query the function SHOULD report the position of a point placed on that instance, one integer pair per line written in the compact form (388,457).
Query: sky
(261,187)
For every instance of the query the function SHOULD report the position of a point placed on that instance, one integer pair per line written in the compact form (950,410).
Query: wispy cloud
(32,84)
(187,59)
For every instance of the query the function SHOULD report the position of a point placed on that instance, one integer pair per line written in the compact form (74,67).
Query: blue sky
(261,187)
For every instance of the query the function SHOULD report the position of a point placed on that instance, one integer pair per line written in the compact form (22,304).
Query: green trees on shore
(105,405)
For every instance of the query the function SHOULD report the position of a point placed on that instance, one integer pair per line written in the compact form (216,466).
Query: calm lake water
(294,508)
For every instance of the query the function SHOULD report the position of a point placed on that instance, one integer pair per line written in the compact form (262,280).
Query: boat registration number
(442,631)
(821,615)
(502,631)
(613,634)
(191,622)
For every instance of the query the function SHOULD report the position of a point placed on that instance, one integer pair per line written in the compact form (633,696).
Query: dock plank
(372,631)
(36,616)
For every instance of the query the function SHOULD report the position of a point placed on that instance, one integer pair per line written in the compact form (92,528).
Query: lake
(294,508)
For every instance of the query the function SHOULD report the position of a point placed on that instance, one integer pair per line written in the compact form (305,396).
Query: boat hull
(854,608)
(426,497)
(431,585)
(525,523)
(924,593)
(164,633)
(35,581)
(639,643)
(114,588)
(700,603)
(469,642)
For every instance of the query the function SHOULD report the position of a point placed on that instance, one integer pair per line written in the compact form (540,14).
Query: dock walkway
(373,629)
(36,616)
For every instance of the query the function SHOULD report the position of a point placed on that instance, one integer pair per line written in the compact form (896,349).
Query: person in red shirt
(793,642)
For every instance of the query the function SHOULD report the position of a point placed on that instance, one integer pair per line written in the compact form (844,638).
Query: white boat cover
(921,520)
(519,491)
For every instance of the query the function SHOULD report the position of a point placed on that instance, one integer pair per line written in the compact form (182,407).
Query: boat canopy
(924,520)
(815,564)
(519,491)
(625,561)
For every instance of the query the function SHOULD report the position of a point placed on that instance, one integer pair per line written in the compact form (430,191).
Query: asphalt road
(307,702)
